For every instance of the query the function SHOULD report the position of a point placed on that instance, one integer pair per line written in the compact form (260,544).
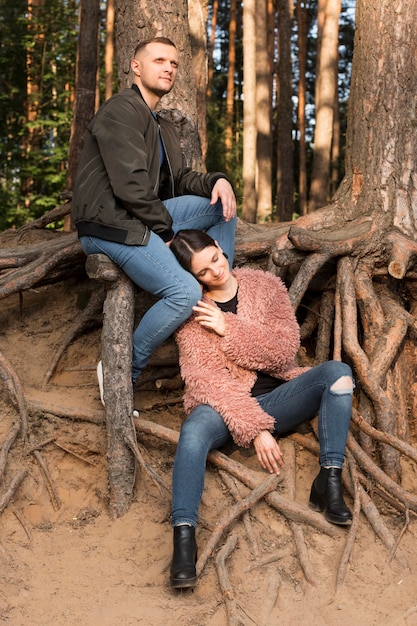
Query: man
(133,192)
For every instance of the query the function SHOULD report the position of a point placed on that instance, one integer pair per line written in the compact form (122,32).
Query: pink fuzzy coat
(220,371)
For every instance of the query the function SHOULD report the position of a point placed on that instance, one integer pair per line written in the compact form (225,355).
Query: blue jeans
(155,269)
(290,404)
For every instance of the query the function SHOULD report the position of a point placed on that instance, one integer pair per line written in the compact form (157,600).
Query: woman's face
(210,267)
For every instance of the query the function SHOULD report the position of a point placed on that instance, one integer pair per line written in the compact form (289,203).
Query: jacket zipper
(169,163)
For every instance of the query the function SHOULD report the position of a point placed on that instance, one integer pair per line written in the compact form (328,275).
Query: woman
(237,358)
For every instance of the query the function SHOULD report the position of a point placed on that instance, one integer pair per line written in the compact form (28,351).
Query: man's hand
(223,191)
(268,452)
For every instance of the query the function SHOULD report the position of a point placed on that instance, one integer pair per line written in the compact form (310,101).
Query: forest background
(269,84)
(38,90)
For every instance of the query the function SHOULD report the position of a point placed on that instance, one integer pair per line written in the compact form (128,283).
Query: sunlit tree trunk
(197,19)
(210,62)
(335,154)
(302,21)
(263,116)
(109,50)
(249,111)
(139,21)
(230,93)
(326,85)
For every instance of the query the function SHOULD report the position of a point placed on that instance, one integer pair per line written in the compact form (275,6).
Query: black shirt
(264,382)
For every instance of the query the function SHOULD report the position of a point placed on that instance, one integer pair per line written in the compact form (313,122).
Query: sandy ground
(72,564)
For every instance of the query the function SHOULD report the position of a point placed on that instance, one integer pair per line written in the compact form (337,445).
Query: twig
(296,529)
(234,512)
(10,491)
(232,487)
(274,584)
(40,445)
(78,456)
(350,540)
(15,389)
(53,494)
(153,475)
(22,520)
(225,586)
(400,536)
(283,553)
(10,439)
(81,322)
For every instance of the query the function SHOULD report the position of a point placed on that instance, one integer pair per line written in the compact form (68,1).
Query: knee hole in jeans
(342,386)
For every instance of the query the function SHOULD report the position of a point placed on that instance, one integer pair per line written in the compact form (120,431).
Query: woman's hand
(210,316)
(268,452)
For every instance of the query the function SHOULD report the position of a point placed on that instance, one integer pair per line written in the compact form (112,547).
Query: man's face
(156,66)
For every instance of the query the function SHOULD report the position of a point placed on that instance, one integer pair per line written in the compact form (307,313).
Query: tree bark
(326,86)
(285,166)
(118,391)
(249,112)
(85,89)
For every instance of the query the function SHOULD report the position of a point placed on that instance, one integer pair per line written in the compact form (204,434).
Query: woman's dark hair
(188,242)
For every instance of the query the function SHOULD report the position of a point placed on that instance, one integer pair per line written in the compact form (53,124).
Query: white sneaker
(135,413)
(100,381)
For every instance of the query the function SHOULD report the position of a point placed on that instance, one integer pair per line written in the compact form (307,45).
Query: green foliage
(37,66)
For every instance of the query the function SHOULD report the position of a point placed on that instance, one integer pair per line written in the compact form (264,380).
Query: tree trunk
(285,166)
(302,21)
(87,63)
(249,112)
(230,93)
(109,50)
(210,53)
(263,117)
(326,86)
(197,18)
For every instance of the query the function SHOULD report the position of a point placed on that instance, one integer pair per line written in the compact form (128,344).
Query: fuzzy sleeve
(264,335)
(209,380)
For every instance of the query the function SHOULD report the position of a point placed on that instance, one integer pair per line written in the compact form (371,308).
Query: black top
(264,382)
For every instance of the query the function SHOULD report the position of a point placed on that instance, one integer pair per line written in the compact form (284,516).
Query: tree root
(231,515)
(82,322)
(232,487)
(224,582)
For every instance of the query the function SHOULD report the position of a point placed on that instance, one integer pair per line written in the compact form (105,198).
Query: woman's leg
(203,430)
(325,390)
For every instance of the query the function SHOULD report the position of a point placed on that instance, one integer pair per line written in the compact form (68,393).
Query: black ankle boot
(183,573)
(326,496)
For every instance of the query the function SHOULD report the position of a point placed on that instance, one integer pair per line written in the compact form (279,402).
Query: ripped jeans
(325,390)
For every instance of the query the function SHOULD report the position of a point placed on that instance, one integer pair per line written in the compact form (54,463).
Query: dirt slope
(74,565)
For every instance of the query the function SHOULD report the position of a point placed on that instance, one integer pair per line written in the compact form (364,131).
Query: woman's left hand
(268,452)
(210,316)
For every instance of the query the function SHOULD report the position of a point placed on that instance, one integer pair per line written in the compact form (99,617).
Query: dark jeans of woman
(319,391)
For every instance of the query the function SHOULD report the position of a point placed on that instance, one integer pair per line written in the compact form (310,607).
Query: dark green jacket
(120,186)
